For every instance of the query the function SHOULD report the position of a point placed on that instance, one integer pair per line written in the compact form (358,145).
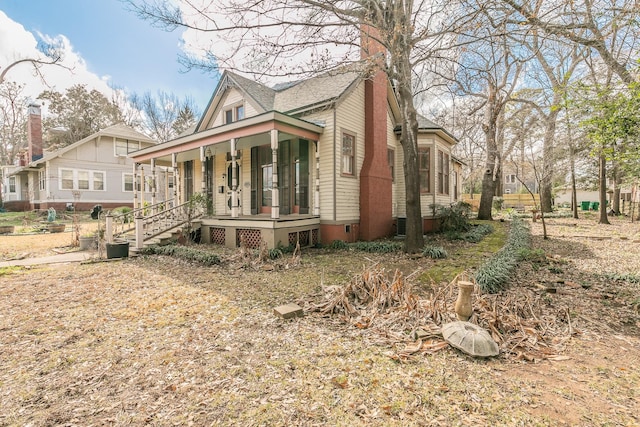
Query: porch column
(235,213)
(153,185)
(275,193)
(203,183)
(135,186)
(174,166)
(142,185)
(316,193)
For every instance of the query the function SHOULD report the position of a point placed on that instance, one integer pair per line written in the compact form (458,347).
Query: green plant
(495,272)
(435,252)
(381,246)
(189,253)
(339,244)
(454,217)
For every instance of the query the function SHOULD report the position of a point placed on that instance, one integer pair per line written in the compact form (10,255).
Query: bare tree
(303,37)
(165,116)
(606,27)
(52,55)
(13,120)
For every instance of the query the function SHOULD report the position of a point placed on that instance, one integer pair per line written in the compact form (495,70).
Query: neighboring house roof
(427,125)
(117,131)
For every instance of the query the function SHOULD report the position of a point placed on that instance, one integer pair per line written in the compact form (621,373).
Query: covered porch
(259,178)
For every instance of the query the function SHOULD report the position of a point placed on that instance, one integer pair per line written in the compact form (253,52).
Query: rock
(288,311)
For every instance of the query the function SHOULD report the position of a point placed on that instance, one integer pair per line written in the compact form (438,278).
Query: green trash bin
(595,205)
(585,205)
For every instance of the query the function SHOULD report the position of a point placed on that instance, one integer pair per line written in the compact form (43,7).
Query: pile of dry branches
(385,307)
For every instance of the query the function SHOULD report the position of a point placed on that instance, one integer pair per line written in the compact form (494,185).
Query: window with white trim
(122,147)
(233,114)
(81,179)
(348,154)
(509,179)
(42,179)
(127,183)
(12,184)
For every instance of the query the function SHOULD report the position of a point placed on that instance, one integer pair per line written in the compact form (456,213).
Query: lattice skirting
(305,237)
(218,236)
(252,238)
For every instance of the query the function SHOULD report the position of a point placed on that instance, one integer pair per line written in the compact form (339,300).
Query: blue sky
(114,44)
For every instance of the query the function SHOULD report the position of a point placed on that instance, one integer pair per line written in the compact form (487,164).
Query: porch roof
(250,126)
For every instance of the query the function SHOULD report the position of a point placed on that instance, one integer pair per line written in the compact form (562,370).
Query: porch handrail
(121,224)
(167,219)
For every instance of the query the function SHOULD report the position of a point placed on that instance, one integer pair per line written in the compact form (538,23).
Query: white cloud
(17,43)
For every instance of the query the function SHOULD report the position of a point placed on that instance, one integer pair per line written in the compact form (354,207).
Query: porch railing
(150,221)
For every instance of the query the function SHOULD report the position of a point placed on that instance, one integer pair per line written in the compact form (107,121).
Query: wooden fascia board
(244,128)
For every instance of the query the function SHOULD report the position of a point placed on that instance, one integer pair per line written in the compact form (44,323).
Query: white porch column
(316,193)
(153,185)
(136,205)
(142,186)
(174,166)
(235,212)
(275,193)
(203,183)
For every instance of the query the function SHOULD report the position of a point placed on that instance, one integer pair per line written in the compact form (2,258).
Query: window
(127,182)
(42,179)
(509,179)
(348,153)
(66,179)
(12,184)
(74,179)
(98,181)
(443,172)
(234,114)
(424,159)
(391,158)
(124,147)
(83,180)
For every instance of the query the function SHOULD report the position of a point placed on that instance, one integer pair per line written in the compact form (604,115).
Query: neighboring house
(94,170)
(311,162)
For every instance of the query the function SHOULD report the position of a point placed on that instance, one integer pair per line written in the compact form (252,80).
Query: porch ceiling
(249,132)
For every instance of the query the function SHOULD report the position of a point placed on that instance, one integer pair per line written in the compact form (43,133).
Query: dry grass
(159,341)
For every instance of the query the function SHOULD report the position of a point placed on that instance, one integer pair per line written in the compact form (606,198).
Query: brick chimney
(375,177)
(34,133)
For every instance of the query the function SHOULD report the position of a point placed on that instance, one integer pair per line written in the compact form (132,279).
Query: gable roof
(288,98)
(118,131)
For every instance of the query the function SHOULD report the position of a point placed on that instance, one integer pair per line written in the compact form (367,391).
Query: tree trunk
(603,190)
(492,168)
(414,240)
(574,192)
(548,160)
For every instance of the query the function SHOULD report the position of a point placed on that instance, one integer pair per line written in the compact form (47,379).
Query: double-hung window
(348,154)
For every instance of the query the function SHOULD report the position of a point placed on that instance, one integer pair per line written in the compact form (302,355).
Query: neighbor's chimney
(34,133)
(376,213)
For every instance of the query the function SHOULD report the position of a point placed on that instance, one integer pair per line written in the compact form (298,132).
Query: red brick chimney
(375,177)
(34,133)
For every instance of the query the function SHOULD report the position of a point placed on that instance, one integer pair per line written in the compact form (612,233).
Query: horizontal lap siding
(232,98)
(350,118)
(398,190)
(326,147)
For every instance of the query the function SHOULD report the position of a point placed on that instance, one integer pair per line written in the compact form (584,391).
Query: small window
(127,182)
(83,180)
(509,179)
(240,112)
(424,159)
(391,158)
(12,184)
(348,153)
(98,181)
(443,173)
(66,179)
(228,116)
(125,146)
(42,179)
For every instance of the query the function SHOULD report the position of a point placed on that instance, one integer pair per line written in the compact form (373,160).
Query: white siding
(350,119)
(232,98)
(327,169)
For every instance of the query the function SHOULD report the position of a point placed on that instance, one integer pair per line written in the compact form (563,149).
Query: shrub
(188,253)
(495,272)
(339,244)
(377,247)
(454,217)
(434,252)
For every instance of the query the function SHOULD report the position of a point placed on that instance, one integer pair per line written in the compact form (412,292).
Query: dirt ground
(155,340)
